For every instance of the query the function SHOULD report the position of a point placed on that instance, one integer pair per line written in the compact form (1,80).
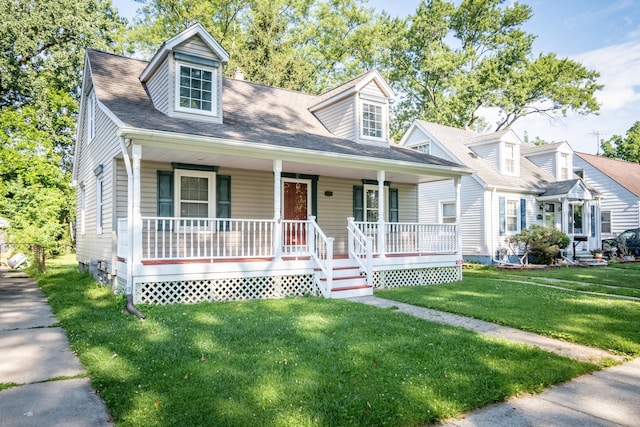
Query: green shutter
(223,200)
(393,205)
(165,196)
(523,214)
(358,203)
(502,209)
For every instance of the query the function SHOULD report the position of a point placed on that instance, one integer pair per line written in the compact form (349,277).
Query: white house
(192,186)
(514,185)
(618,182)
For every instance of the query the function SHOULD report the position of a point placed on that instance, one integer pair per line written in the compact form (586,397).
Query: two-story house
(514,185)
(192,186)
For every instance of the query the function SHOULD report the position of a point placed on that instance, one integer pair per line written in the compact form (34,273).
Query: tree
(449,62)
(43,44)
(624,148)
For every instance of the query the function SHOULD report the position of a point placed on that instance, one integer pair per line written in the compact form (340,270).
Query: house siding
(197,47)
(546,162)
(100,151)
(340,118)
(624,205)
(489,153)
(372,89)
(158,87)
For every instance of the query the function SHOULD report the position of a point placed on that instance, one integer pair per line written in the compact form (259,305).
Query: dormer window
(195,89)
(424,148)
(510,158)
(372,121)
(564,166)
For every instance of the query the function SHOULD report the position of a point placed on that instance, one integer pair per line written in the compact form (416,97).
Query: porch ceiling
(159,154)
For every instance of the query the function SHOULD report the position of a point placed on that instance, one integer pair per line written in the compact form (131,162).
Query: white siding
(195,46)
(545,161)
(490,153)
(624,205)
(158,87)
(340,118)
(101,151)
(372,89)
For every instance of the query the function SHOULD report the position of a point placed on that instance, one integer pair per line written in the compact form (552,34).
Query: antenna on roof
(597,135)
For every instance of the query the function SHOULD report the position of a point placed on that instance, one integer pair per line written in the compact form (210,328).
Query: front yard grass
(598,321)
(298,361)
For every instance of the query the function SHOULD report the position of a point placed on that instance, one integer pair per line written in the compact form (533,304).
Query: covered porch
(170,255)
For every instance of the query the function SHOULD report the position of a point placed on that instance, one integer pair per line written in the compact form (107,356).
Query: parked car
(626,243)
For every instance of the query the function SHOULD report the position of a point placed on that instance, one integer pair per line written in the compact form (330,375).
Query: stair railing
(361,249)
(321,250)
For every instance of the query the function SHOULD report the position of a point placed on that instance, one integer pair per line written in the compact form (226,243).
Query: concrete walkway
(610,397)
(51,385)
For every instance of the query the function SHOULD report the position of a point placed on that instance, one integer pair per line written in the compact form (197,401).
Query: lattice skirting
(417,276)
(231,289)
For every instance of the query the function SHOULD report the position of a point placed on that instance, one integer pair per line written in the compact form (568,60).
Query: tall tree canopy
(307,45)
(449,62)
(624,148)
(43,45)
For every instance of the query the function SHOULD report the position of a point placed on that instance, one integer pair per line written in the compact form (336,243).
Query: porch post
(457,184)
(277,206)
(136,253)
(381,220)
(565,216)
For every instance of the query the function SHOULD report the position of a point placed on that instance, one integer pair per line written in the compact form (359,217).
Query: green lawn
(598,321)
(302,362)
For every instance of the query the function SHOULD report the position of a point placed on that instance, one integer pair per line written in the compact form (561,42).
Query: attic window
(372,121)
(195,89)
(424,148)
(510,158)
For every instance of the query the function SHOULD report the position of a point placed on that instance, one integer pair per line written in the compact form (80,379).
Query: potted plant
(597,253)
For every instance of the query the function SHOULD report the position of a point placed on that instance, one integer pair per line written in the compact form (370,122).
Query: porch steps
(586,258)
(348,282)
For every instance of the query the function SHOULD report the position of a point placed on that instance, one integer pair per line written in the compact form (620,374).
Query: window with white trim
(564,166)
(605,222)
(424,148)
(99,205)
(448,212)
(372,121)
(512,216)
(91,116)
(510,158)
(194,88)
(195,194)
(370,203)
(576,219)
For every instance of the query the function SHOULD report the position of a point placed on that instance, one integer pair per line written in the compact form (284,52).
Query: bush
(542,243)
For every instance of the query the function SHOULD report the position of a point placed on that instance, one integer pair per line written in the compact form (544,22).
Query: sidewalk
(52,388)
(610,397)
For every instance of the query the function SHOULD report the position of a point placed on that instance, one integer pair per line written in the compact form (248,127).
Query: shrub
(542,243)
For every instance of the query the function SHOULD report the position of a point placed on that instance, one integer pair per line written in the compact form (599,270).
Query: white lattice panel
(416,277)
(232,289)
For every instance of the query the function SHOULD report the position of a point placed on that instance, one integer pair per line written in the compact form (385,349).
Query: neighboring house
(619,184)
(192,186)
(514,185)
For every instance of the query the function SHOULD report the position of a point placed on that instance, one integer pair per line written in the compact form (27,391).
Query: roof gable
(352,87)
(196,30)
(626,174)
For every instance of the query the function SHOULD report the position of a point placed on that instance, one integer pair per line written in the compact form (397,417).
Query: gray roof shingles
(252,113)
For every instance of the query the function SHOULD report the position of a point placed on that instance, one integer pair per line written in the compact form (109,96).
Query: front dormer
(501,150)
(556,159)
(357,110)
(184,78)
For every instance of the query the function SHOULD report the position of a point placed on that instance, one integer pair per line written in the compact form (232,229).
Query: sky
(603,35)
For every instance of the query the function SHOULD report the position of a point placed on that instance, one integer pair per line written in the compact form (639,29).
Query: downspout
(130,307)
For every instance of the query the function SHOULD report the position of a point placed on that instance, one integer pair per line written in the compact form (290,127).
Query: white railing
(361,249)
(321,249)
(411,238)
(123,238)
(166,238)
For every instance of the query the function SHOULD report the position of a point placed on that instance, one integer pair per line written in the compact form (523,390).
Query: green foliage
(450,61)
(296,361)
(543,243)
(624,148)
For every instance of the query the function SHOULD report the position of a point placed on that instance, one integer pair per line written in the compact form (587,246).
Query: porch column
(565,216)
(457,183)
(136,253)
(381,220)
(277,207)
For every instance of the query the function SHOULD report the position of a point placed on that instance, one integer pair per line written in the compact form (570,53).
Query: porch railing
(411,238)
(321,249)
(361,249)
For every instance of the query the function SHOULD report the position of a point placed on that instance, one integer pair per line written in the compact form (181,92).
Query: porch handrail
(321,249)
(360,246)
(411,237)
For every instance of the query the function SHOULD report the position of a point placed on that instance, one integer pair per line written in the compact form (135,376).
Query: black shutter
(503,215)
(358,203)
(223,200)
(523,214)
(393,205)
(165,197)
